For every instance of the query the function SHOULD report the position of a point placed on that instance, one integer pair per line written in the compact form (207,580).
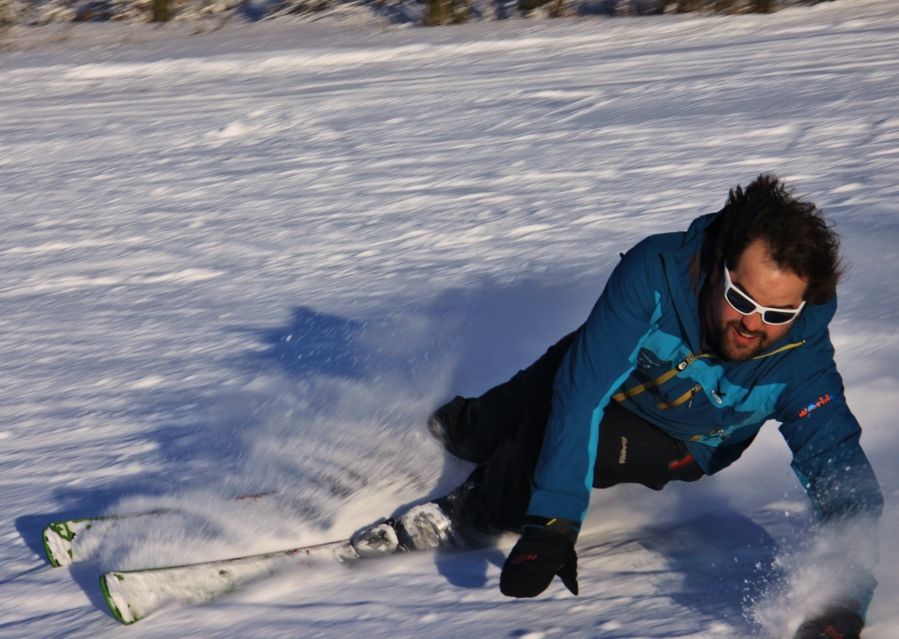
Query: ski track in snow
(255,260)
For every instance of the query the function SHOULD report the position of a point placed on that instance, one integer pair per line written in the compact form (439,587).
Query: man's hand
(837,622)
(539,555)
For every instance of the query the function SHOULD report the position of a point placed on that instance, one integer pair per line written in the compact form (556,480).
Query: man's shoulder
(806,357)
(813,324)
(689,240)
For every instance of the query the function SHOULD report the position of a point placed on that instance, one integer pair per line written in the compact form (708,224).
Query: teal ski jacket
(641,347)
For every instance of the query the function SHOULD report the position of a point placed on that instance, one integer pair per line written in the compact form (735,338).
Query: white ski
(69,541)
(133,594)
(59,537)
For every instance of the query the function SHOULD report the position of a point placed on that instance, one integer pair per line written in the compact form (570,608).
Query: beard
(730,345)
(720,335)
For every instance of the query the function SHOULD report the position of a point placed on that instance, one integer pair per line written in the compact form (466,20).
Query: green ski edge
(113,608)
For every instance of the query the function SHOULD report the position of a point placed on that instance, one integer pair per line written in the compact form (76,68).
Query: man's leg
(506,481)
(496,495)
(500,425)
(630,450)
(473,428)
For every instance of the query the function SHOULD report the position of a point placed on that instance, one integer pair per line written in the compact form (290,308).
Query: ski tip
(118,608)
(57,539)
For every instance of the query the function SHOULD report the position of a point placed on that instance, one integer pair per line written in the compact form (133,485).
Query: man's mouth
(745,337)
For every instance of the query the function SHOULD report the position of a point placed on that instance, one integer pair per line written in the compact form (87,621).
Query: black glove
(539,555)
(836,622)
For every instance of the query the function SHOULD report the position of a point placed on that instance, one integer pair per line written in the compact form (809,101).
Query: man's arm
(823,435)
(599,360)
(828,459)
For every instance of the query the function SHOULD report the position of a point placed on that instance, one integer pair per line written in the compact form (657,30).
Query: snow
(254,260)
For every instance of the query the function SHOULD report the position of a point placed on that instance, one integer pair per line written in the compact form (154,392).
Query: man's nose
(754,323)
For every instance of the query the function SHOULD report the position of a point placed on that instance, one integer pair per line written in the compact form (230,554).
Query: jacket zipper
(661,379)
(681,366)
(688,396)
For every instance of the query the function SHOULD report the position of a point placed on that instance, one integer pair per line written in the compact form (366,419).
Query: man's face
(736,336)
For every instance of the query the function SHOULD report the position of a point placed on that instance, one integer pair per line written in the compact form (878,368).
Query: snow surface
(254,260)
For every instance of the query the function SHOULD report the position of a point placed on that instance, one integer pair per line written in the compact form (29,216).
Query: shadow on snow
(462,342)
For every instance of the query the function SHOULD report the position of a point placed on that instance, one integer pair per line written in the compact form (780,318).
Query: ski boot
(456,520)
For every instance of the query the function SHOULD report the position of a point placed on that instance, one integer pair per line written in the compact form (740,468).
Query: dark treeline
(425,12)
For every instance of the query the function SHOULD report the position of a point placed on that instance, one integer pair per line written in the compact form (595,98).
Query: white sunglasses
(745,305)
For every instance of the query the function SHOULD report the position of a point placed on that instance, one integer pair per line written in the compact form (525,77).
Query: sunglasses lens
(778,317)
(738,301)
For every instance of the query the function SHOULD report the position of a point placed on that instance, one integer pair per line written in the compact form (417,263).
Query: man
(698,339)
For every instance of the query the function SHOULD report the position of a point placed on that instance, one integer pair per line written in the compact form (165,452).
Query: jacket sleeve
(828,459)
(823,435)
(599,360)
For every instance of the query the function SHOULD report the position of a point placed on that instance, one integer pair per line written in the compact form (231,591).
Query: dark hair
(796,233)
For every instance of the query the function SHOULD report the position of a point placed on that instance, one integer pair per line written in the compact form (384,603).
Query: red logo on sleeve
(822,401)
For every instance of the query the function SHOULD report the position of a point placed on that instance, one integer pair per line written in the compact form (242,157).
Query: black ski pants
(504,427)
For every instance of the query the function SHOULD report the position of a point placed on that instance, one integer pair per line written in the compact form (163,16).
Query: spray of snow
(253,262)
